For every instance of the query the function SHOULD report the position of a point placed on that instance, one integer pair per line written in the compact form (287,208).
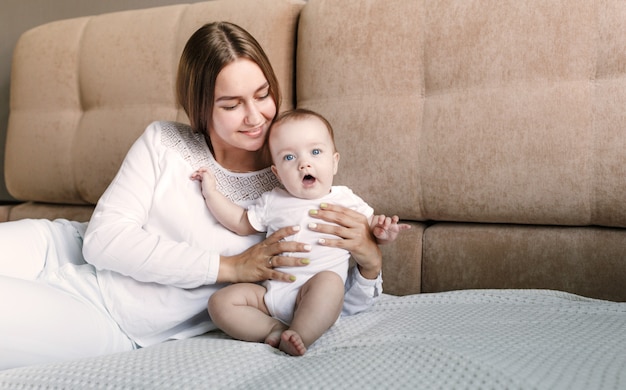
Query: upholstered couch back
(82,90)
(496,128)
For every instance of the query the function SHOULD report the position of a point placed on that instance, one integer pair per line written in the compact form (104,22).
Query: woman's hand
(356,237)
(258,262)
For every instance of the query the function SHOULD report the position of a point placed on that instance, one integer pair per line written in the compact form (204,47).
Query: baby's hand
(386,229)
(206,177)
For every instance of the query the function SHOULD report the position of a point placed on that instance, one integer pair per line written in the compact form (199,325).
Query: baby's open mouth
(308,179)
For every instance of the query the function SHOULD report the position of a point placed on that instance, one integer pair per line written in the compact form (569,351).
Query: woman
(153,254)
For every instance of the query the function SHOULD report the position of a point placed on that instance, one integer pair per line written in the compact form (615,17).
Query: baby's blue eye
(289,157)
(315,152)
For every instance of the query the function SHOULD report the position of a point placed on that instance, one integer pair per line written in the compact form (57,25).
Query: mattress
(473,339)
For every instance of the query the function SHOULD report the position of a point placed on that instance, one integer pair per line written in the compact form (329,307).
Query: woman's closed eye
(264,95)
(230,105)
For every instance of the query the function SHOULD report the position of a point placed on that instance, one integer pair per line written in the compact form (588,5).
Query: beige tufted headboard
(82,90)
(496,128)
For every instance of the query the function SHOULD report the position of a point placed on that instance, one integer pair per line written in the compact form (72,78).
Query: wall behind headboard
(17,16)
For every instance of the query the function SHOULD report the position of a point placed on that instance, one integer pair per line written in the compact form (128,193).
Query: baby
(291,316)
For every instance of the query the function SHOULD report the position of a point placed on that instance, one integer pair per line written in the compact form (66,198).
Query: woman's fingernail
(305,261)
(321,241)
(312,225)
(292,278)
(296,228)
(323,205)
(307,247)
(313,212)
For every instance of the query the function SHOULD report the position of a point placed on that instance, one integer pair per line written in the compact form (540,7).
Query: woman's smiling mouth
(253,133)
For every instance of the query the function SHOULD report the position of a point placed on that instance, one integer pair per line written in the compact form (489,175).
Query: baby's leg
(318,306)
(240,311)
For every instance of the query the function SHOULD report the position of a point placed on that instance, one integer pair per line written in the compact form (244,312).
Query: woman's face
(243,108)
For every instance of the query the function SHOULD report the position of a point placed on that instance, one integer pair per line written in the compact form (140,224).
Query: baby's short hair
(303,113)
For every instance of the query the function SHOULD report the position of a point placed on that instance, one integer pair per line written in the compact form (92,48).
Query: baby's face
(305,159)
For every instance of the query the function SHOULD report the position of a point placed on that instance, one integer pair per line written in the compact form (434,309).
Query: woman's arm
(365,286)
(137,228)
(258,262)
(356,237)
(124,237)
(360,293)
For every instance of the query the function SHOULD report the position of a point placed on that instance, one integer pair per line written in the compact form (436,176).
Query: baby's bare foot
(273,339)
(291,343)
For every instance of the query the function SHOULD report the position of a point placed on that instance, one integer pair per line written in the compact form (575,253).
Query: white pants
(51,308)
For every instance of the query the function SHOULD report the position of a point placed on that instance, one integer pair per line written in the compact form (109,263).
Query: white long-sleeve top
(157,247)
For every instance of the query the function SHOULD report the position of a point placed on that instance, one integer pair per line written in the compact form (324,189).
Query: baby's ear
(275,172)
(335,163)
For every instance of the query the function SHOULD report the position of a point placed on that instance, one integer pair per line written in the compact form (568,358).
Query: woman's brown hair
(206,53)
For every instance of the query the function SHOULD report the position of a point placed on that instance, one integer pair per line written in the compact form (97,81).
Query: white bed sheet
(474,339)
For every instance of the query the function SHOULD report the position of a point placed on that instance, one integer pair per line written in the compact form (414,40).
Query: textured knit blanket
(476,339)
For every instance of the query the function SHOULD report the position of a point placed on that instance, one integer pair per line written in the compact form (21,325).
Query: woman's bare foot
(291,343)
(273,339)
